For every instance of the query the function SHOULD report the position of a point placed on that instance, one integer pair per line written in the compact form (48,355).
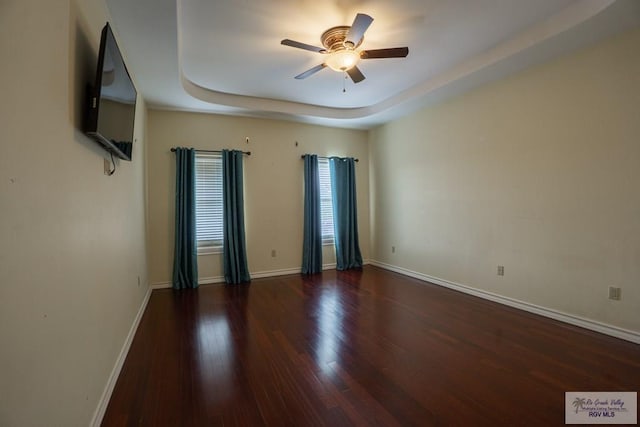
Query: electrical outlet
(273,253)
(615,293)
(393,249)
(501,270)
(138,281)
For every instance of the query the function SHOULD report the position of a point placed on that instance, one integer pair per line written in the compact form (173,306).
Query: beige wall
(273,185)
(538,172)
(72,240)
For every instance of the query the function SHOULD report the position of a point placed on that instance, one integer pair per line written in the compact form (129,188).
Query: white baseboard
(571,319)
(331,266)
(273,273)
(115,372)
(160,285)
(201,281)
(209,280)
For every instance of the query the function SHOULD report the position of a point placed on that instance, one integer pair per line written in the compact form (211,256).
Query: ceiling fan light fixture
(343,60)
(340,44)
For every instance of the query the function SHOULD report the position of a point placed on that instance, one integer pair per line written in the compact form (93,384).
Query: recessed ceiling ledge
(273,105)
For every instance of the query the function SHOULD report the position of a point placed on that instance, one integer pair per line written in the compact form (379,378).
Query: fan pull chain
(344,84)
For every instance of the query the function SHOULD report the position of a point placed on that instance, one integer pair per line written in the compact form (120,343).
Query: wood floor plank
(366,347)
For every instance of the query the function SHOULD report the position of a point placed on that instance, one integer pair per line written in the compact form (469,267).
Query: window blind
(326,204)
(209,219)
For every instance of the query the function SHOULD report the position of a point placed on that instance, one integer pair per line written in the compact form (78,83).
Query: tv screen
(112,103)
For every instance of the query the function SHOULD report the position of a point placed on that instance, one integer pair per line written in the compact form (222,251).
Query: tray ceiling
(226,57)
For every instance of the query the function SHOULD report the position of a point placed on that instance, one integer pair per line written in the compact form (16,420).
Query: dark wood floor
(356,348)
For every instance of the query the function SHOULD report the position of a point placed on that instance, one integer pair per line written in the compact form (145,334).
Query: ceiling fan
(341,47)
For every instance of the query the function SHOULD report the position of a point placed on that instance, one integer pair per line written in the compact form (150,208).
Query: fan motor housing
(334,38)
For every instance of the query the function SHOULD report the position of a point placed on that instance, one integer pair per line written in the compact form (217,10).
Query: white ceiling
(226,57)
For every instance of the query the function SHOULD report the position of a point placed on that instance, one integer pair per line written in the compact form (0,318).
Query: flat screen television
(112,100)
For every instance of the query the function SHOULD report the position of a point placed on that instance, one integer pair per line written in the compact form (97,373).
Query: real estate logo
(590,407)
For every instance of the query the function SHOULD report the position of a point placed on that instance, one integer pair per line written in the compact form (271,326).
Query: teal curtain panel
(312,239)
(234,245)
(345,213)
(185,254)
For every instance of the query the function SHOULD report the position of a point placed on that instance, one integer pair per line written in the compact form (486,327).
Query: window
(209,202)
(326,205)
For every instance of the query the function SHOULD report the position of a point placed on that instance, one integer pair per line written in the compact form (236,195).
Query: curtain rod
(248,153)
(321,157)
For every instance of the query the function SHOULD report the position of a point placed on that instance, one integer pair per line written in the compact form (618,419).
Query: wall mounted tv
(112,100)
